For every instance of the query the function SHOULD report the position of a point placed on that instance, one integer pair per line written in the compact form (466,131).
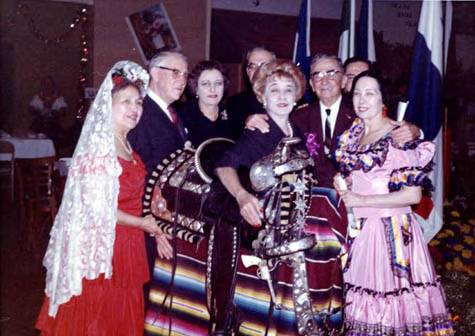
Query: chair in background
(38,205)
(7,166)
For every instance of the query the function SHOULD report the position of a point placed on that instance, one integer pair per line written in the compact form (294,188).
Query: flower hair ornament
(82,237)
(129,74)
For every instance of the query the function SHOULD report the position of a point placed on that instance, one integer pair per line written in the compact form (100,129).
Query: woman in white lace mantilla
(95,260)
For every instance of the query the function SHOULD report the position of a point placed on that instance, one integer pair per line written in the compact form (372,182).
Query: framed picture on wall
(152,31)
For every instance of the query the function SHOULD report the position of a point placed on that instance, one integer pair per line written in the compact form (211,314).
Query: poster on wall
(152,31)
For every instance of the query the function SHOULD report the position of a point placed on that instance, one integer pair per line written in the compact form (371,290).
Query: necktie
(173,115)
(328,134)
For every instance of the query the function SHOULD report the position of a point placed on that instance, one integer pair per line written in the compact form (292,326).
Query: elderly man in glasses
(160,131)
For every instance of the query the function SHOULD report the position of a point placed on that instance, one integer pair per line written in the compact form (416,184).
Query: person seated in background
(278,85)
(391,286)
(203,115)
(46,107)
(95,261)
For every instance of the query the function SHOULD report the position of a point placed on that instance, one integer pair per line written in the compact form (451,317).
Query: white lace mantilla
(82,238)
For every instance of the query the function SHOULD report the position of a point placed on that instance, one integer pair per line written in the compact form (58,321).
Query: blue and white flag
(346,48)
(425,104)
(365,36)
(302,44)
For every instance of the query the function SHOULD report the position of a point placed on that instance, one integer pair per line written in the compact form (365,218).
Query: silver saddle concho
(283,181)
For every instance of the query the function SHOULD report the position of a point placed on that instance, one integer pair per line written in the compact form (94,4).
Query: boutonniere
(224,115)
(311,144)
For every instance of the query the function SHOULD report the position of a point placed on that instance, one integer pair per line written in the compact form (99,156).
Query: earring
(384,113)
(197,97)
(295,103)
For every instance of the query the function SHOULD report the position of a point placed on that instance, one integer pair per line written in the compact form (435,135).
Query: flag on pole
(365,37)
(346,48)
(302,44)
(425,105)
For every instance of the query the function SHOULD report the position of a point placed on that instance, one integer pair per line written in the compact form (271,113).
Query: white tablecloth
(29,148)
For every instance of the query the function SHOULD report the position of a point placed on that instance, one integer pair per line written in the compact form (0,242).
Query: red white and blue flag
(425,105)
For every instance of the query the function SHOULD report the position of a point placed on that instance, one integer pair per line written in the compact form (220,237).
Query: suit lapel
(165,121)
(343,122)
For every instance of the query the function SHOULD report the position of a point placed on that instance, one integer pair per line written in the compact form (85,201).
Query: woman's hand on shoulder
(250,209)
(258,121)
(405,132)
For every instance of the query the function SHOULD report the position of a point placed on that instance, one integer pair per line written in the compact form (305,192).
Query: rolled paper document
(401,110)
(352,230)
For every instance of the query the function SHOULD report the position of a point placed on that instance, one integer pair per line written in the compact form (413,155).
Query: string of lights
(78,22)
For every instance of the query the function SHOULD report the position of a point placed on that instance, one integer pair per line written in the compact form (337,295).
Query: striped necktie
(173,115)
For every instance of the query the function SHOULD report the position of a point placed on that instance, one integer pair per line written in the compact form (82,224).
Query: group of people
(375,279)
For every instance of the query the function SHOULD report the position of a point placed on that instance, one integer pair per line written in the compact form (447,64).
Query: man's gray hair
(255,49)
(160,58)
(321,56)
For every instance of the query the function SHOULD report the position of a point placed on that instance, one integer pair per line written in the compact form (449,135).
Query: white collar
(334,107)
(160,102)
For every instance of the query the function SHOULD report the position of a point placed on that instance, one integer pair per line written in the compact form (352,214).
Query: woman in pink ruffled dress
(391,287)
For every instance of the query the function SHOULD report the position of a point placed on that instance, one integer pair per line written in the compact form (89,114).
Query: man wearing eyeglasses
(245,103)
(160,132)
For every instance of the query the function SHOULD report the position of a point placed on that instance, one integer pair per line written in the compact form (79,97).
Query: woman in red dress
(96,263)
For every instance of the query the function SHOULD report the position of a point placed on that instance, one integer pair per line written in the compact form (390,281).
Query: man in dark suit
(160,132)
(245,103)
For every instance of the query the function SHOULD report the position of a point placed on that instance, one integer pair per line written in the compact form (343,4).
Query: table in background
(30,148)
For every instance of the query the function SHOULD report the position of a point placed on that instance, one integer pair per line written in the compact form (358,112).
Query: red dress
(110,306)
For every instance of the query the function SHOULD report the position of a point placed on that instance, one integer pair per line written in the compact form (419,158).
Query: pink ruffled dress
(391,287)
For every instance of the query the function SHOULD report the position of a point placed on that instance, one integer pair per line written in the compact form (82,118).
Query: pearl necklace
(126,146)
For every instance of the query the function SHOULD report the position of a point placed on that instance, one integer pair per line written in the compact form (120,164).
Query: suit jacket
(309,121)
(155,137)
(239,107)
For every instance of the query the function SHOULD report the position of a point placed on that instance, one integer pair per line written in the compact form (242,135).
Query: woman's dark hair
(382,83)
(202,66)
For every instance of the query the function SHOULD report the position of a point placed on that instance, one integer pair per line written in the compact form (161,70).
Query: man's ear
(154,73)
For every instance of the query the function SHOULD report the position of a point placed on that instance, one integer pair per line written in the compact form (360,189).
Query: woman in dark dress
(204,116)
(278,85)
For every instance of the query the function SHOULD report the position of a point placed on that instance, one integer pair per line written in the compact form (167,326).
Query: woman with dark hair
(390,283)
(204,116)
(95,261)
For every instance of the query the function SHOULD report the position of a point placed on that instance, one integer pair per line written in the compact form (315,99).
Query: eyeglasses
(175,72)
(253,66)
(319,75)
